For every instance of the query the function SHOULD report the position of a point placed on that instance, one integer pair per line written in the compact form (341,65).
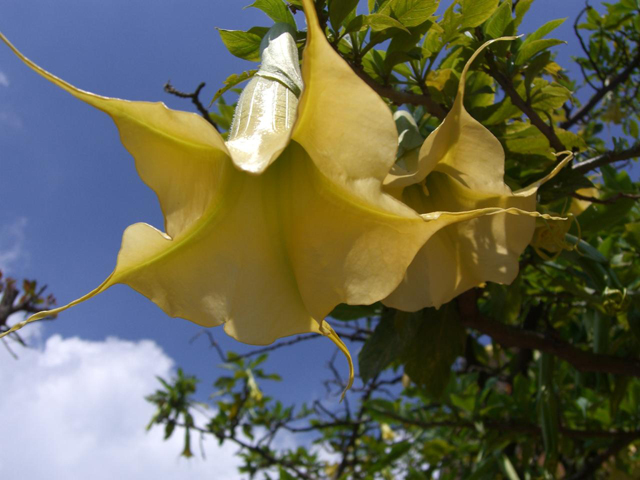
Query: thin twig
(607,158)
(399,98)
(195,99)
(518,101)
(270,348)
(585,49)
(607,201)
(600,93)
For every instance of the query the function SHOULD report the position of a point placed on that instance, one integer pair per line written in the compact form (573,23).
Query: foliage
(537,379)
(12,302)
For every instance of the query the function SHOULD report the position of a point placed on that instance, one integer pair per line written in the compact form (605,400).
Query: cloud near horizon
(75,409)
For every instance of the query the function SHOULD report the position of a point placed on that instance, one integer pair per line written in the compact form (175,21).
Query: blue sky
(69,189)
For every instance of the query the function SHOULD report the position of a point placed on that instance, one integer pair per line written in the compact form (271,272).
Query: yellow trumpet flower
(268,232)
(460,167)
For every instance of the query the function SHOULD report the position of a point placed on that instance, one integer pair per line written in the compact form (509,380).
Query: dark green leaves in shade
(426,343)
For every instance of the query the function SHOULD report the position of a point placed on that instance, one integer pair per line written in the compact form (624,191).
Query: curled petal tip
(330,333)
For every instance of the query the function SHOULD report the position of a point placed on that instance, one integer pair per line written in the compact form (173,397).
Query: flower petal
(466,254)
(171,148)
(462,148)
(341,120)
(461,169)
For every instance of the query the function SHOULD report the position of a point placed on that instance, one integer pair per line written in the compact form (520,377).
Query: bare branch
(400,98)
(509,336)
(195,99)
(607,201)
(607,158)
(519,427)
(270,348)
(600,93)
(518,101)
(586,51)
(595,463)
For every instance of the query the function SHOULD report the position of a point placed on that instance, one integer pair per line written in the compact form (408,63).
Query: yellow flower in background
(460,167)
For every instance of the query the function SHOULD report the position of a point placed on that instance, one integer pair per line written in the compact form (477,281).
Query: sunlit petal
(460,168)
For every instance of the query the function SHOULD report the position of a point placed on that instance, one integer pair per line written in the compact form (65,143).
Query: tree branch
(509,336)
(600,93)
(595,463)
(607,158)
(606,201)
(265,454)
(518,101)
(195,99)
(400,98)
(522,428)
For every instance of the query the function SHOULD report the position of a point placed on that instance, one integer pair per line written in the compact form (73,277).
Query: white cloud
(4,80)
(12,238)
(75,409)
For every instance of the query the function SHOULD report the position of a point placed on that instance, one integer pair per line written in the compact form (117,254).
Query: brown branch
(518,101)
(400,98)
(606,201)
(596,462)
(586,51)
(323,426)
(270,348)
(350,446)
(607,158)
(265,454)
(600,93)
(195,99)
(520,428)
(509,336)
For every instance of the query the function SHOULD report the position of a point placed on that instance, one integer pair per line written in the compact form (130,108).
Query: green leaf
(587,250)
(507,468)
(451,21)
(600,218)
(521,9)
(387,342)
(245,45)
(276,9)
(410,13)
(547,406)
(634,131)
(550,96)
(339,10)
(231,81)
(438,342)
(284,475)
(530,49)
(497,25)
(354,312)
(376,22)
(475,12)
(619,391)
(544,30)
(510,312)
(434,450)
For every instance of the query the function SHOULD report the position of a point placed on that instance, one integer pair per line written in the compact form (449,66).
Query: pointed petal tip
(327,331)
(54,311)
